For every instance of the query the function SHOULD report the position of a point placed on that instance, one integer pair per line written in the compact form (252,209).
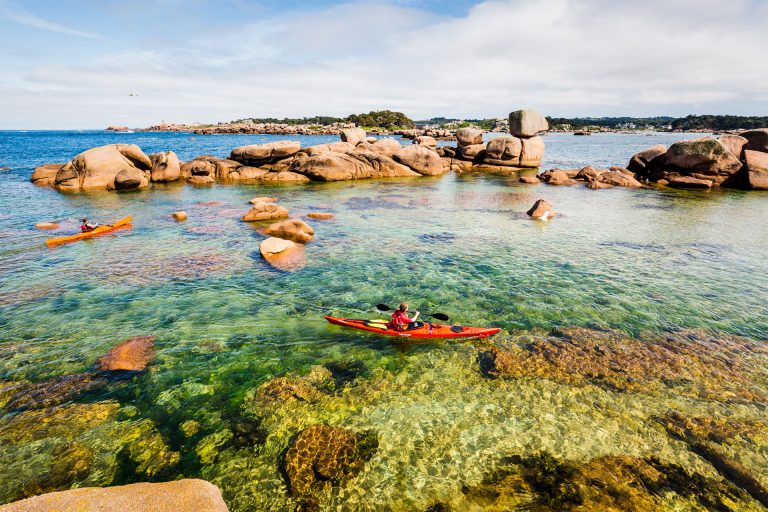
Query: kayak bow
(427,330)
(100,230)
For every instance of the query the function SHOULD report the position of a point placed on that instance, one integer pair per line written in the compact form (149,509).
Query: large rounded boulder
(469,136)
(353,135)
(757,140)
(503,150)
(98,168)
(421,159)
(295,230)
(165,167)
(527,123)
(258,154)
(532,152)
(45,174)
(706,155)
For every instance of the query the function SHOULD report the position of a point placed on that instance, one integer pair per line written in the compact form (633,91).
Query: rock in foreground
(189,495)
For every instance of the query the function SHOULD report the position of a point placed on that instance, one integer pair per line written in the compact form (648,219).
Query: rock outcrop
(333,166)
(706,162)
(188,495)
(111,167)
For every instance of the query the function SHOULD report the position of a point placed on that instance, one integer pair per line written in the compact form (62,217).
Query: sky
(80,64)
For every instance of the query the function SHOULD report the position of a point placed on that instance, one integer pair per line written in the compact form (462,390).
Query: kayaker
(400,320)
(88,226)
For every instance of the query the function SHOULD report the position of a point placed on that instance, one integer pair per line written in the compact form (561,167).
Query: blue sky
(74,64)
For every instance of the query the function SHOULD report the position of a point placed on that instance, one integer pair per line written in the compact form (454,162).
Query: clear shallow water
(632,260)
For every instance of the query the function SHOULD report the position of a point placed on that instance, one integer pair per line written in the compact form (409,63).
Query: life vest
(399,320)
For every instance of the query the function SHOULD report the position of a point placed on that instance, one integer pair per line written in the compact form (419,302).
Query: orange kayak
(427,330)
(97,231)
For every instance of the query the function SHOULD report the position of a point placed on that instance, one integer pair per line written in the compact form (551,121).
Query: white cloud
(563,57)
(17,15)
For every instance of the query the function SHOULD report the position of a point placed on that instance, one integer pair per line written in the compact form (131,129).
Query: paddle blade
(440,316)
(382,307)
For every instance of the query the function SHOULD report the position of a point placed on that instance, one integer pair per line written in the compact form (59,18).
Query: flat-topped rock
(256,154)
(188,495)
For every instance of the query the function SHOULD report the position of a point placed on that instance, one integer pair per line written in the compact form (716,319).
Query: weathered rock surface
(556,177)
(54,391)
(335,147)
(532,180)
(527,123)
(503,150)
(98,168)
(322,455)
(639,162)
(706,155)
(421,159)
(201,180)
(131,355)
(165,166)
(353,135)
(733,143)
(188,495)
(756,167)
(471,152)
(198,167)
(425,140)
(387,147)
(265,211)
(689,182)
(284,177)
(259,154)
(757,140)
(532,152)
(618,179)
(295,230)
(541,210)
(45,174)
(263,199)
(355,165)
(469,136)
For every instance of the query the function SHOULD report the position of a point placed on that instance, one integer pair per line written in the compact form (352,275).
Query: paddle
(439,316)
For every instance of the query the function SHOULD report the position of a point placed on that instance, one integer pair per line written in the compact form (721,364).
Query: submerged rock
(697,365)
(131,355)
(46,225)
(283,254)
(609,483)
(689,182)
(188,495)
(54,391)
(321,215)
(322,455)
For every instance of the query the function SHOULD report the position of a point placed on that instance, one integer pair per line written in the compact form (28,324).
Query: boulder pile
(355,156)
(732,161)
(523,148)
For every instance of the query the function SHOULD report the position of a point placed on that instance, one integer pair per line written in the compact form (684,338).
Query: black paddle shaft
(439,316)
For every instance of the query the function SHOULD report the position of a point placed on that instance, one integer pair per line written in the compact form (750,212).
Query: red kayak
(426,330)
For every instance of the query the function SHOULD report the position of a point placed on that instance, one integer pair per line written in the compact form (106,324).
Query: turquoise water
(635,261)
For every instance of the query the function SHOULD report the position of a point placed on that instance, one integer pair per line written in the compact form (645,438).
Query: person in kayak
(400,320)
(88,226)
